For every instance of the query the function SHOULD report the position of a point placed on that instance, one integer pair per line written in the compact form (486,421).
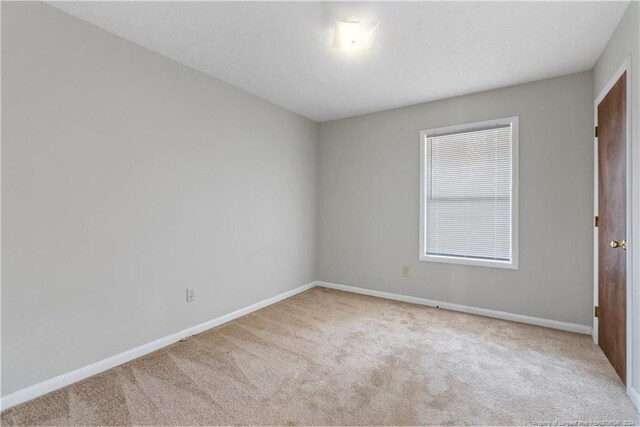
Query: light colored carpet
(329,357)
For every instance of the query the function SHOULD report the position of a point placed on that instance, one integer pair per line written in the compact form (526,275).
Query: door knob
(616,244)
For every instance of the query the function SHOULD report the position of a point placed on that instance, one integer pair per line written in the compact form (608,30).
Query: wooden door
(612,225)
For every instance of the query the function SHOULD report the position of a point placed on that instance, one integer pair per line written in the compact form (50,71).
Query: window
(469,194)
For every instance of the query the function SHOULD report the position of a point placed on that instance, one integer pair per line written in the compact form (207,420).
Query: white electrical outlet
(405,271)
(191,295)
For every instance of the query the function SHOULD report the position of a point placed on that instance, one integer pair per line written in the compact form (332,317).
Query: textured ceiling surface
(423,51)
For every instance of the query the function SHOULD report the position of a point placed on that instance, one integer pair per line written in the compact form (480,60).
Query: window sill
(510,265)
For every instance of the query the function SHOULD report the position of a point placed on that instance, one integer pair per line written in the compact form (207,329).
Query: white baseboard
(63,380)
(634,396)
(554,324)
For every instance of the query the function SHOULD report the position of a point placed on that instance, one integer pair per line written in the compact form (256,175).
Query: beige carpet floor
(326,357)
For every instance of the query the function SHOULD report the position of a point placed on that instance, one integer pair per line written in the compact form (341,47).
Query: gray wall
(127,178)
(625,42)
(368,202)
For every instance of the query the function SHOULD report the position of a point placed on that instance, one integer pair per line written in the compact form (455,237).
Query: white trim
(513,264)
(63,380)
(596,240)
(625,67)
(547,323)
(634,396)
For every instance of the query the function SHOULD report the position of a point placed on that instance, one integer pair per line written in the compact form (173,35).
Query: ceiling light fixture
(354,34)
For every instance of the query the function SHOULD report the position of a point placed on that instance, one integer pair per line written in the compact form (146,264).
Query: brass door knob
(616,244)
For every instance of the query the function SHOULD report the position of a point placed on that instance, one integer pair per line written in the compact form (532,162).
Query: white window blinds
(468,193)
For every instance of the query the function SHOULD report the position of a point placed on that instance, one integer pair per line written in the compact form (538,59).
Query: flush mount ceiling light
(354,34)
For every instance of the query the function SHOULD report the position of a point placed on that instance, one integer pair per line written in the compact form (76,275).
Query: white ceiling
(423,51)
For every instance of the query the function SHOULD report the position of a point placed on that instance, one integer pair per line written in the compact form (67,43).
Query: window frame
(467,127)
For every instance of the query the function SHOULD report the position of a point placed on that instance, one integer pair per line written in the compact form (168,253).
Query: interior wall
(624,43)
(127,178)
(368,202)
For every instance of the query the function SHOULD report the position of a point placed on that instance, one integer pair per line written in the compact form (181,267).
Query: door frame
(626,66)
